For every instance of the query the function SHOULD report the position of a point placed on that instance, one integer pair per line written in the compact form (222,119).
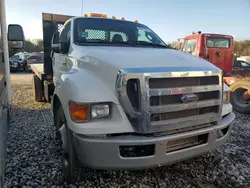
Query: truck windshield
(92,31)
(218,42)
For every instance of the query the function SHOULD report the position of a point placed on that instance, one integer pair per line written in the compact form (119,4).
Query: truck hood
(105,62)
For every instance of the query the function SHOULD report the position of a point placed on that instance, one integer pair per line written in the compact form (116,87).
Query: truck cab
(121,99)
(216,48)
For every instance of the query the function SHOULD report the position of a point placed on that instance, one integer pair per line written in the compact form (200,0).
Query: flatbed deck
(38,69)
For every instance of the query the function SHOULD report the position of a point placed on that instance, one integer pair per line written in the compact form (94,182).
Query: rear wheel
(240,100)
(37,89)
(69,161)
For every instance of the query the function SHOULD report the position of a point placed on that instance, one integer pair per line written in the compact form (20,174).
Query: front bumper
(104,153)
(14,65)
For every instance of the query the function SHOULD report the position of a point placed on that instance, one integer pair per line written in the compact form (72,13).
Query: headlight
(226,97)
(100,111)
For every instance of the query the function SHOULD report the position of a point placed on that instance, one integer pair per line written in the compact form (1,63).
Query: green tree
(242,48)
(29,46)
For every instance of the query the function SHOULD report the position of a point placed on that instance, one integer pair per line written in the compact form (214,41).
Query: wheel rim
(243,96)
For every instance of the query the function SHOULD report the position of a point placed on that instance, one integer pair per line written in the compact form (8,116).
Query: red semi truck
(219,50)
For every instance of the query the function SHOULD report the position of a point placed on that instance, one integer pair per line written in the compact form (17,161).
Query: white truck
(121,99)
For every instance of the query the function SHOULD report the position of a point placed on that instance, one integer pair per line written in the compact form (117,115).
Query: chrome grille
(161,92)
(176,99)
(184,113)
(182,82)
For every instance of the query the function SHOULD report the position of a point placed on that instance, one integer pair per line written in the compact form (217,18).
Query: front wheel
(240,100)
(69,161)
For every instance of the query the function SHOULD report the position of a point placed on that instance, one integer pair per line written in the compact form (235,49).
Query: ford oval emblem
(189,98)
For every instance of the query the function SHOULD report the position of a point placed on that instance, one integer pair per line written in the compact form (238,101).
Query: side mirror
(15,36)
(55,42)
(56,48)
(64,47)
(189,50)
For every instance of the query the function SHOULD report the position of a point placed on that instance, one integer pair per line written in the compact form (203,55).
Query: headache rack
(51,24)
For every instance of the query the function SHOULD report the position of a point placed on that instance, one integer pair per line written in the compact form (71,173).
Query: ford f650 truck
(121,99)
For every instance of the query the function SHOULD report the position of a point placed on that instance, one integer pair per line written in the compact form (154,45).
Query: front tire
(69,162)
(239,103)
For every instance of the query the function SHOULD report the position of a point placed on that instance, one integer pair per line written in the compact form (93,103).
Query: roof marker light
(98,15)
(104,16)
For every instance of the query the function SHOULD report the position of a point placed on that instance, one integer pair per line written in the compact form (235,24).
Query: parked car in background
(18,62)
(34,58)
(244,58)
(14,63)
(241,64)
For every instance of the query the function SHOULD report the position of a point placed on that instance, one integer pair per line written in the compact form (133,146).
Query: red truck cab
(216,48)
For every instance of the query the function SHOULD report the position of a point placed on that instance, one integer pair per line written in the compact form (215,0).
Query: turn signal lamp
(49,77)
(85,15)
(113,17)
(104,16)
(226,97)
(136,21)
(123,18)
(78,112)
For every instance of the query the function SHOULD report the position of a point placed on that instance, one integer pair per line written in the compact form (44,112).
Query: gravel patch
(33,157)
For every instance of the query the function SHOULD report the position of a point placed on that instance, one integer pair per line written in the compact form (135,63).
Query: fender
(84,87)
(240,84)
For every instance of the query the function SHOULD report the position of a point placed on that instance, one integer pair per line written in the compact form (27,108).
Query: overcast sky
(170,19)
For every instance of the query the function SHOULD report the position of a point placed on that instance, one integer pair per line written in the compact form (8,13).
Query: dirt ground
(21,78)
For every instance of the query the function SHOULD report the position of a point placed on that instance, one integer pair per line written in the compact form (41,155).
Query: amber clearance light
(78,112)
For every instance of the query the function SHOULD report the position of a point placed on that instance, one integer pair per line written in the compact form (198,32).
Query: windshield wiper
(151,44)
(124,42)
(133,43)
(107,42)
